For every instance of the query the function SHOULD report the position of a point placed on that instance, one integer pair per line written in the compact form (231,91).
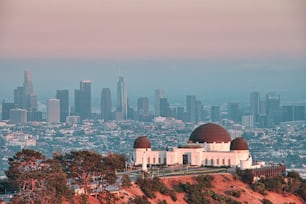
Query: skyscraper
(215,113)
(53,110)
(164,107)
(143,108)
(199,111)
(106,104)
(159,93)
(6,107)
(255,103)
(63,96)
(191,108)
(24,97)
(273,109)
(234,112)
(82,100)
(18,116)
(122,103)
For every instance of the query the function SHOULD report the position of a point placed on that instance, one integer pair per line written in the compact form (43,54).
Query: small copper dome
(142,142)
(239,144)
(210,133)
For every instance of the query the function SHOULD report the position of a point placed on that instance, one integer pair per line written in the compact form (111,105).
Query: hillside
(222,184)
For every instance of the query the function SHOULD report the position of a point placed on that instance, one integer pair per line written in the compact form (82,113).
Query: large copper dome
(142,142)
(210,133)
(239,144)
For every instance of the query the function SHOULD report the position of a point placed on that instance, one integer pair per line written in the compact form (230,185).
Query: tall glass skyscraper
(122,103)
(82,100)
(63,96)
(106,104)
(159,93)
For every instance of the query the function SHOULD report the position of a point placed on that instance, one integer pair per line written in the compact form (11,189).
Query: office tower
(63,97)
(82,100)
(164,107)
(24,97)
(34,116)
(248,121)
(191,107)
(299,112)
(18,116)
(122,106)
(215,113)
(234,112)
(159,93)
(180,113)
(143,106)
(53,110)
(255,103)
(106,104)
(6,107)
(199,111)
(19,97)
(27,83)
(293,113)
(272,109)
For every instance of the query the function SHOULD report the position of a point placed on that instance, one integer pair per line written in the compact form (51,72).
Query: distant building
(18,116)
(34,116)
(199,112)
(24,96)
(233,110)
(73,119)
(164,108)
(122,101)
(53,111)
(159,93)
(106,104)
(293,113)
(273,111)
(63,96)
(82,100)
(180,113)
(6,107)
(255,103)
(143,108)
(191,109)
(248,121)
(215,113)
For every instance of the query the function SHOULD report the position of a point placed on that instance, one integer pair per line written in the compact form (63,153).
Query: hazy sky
(201,29)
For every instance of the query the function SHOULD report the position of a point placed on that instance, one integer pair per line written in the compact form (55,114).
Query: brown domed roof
(142,142)
(210,133)
(239,144)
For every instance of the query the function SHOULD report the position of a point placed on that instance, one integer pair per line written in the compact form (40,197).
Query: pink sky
(193,29)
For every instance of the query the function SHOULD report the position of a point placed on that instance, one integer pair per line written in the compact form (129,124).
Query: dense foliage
(40,180)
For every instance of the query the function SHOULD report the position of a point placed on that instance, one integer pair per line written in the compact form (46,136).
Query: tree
(39,180)
(82,166)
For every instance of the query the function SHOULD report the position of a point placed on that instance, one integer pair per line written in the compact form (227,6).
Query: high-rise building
(248,121)
(6,107)
(159,93)
(53,110)
(164,108)
(24,97)
(215,113)
(199,111)
(255,103)
(82,100)
(63,97)
(18,116)
(122,103)
(234,112)
(273,109)
(293,113)
(143,106)
(106,104)
(180,112)
(191,108)
(19,97)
